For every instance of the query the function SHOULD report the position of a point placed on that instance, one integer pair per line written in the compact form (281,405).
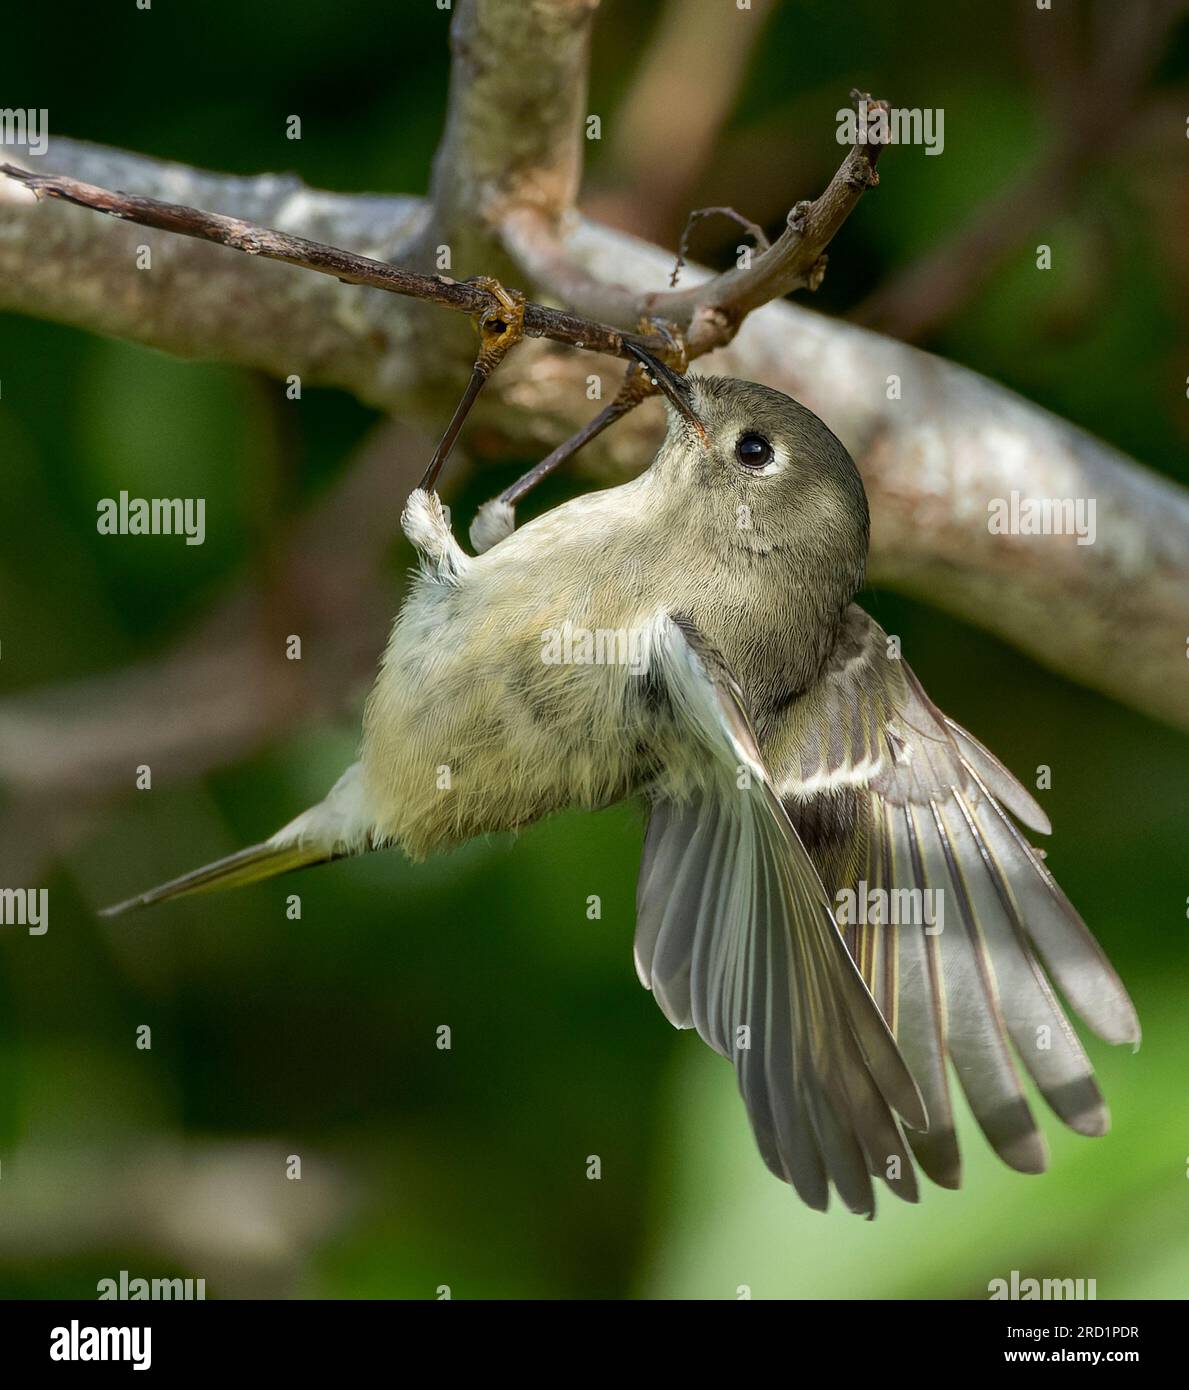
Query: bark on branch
(709,314)
(514,123)
(348,268)
(1109,614)
(711,311)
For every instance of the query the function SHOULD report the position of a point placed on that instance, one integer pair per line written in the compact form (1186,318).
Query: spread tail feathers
(334,828)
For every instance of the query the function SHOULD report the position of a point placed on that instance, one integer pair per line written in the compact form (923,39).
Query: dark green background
(468,1167)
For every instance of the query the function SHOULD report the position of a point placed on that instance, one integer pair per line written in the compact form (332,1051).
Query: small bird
(690,639)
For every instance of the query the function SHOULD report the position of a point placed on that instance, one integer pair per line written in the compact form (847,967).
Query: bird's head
(765,477)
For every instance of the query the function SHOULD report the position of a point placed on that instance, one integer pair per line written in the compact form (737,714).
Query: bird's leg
(427,525)
(497,518)
(501,327)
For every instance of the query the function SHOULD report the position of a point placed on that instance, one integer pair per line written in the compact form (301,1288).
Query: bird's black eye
(753,451)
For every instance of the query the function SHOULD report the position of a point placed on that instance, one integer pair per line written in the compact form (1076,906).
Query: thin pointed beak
(677,388)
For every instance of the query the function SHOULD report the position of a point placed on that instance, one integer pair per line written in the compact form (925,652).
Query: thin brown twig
(466,296)
(753,230)
(708,314)
(712,311)
(795,260)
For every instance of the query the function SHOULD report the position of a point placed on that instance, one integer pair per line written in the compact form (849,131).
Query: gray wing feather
(889,792)
(734,937)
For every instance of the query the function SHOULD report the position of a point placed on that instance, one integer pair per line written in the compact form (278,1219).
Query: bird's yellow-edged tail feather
(339,825)
(250,865)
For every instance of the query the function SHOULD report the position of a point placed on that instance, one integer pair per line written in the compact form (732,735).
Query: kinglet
(690,639)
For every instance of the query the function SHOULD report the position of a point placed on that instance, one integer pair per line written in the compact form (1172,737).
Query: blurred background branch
(226,688)
(514,133)
(1097,103)
(663,142)
(80,740)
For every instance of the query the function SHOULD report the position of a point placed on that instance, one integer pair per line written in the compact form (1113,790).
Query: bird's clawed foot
(425,523)
(501,325)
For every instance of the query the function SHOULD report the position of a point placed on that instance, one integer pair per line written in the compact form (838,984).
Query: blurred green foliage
(467,1167)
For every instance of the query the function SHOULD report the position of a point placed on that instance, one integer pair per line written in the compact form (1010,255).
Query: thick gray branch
(199,300)
(1111,614)
(514,126)
(477,298)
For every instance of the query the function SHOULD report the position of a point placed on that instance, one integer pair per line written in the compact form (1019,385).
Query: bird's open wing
(890,795)
(735,938)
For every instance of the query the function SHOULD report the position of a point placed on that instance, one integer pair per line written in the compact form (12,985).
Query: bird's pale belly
(495,731)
